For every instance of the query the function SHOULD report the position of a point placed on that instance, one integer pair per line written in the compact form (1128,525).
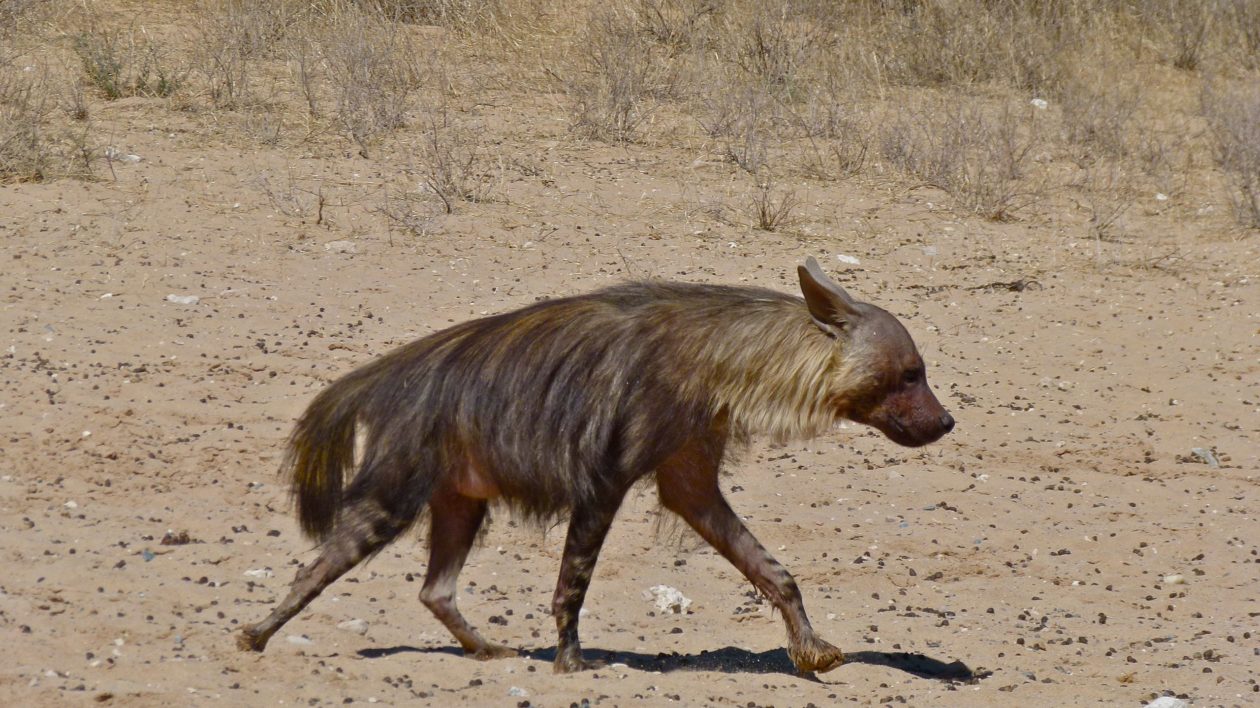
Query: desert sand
(165,323)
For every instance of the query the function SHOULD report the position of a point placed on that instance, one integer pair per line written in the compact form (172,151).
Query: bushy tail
(321,452)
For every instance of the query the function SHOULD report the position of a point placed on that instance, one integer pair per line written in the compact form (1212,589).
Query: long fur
(563,400)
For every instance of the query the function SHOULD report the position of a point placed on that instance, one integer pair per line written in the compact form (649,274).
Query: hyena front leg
(587,530)
(454,520)
(688,485)
(364,529)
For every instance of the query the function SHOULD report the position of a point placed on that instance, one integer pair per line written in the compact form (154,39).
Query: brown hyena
(557,409)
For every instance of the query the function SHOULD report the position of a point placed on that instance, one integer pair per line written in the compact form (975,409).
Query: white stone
(668,600)
(355,625)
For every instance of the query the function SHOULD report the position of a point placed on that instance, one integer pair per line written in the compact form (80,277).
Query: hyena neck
(771,370)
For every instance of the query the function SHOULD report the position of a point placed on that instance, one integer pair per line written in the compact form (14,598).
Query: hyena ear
(828,303)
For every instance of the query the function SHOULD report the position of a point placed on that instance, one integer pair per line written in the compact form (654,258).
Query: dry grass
(127,63)
(1233,112)
(456,167)
(618,79)
(924,91)
(979,159)
(771,208)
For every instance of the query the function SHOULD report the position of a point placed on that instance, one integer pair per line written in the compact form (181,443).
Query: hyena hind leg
(363,530)
(454,521)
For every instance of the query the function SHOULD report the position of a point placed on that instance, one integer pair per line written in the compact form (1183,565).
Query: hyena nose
(947,423)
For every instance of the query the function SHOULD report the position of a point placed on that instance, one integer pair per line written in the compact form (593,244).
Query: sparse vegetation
(1233,112)
(771,208)
(121,64)
(926,92)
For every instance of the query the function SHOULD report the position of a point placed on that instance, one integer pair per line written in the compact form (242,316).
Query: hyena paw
(250,639)
(571,662)
(492,651)
(816,656)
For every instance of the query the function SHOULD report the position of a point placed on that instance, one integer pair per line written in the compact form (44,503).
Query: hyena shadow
(733,660)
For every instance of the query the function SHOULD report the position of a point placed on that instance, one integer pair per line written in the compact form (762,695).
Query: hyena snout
(910,417)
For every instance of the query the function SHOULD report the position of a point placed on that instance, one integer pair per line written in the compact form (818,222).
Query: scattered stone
(341,247)
(259,573)
(1040,104)
(299,640)
(183,299)
(1205,456)
(114,153)
(517,691)
(668,600)
(171,538)
(1175,579)
(355,625)
(847,259)
(1168,702)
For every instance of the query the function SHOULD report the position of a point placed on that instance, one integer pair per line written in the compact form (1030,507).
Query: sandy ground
(1022,560)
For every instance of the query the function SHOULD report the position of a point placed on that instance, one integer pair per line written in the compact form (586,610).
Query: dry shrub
(234,35)
(1241,23)
(24,154)
(1233,114)
(1181,26)
(678,25)
(774,46)
(771,213)
(946,42)
(130,63)
(742,115)
(456,168)
(980,160)
(407,210)
(1108,192)
(463,15)
(619,80)
(1098,115)
(373,69)
(32,148)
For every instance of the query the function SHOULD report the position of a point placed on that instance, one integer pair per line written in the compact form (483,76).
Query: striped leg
(587,530)
(364,530)
(688,485)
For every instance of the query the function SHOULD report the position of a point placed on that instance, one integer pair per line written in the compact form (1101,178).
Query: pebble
(516,691)
(183,299)
(355,625)
(341,247)
(1206,456)
(847,259)
(1175,579)
(259,573)
(1168,702)
(299,640)
(668,600)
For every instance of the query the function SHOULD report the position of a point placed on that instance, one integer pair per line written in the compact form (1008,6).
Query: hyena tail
(321,452)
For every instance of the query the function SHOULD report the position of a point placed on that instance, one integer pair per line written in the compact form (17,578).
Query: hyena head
(880,379)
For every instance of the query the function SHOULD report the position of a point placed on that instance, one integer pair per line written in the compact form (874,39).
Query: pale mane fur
(775,372)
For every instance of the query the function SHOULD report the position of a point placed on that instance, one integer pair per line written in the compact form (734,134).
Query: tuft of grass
(771,209)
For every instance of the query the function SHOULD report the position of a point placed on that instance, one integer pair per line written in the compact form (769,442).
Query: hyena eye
(912,375)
